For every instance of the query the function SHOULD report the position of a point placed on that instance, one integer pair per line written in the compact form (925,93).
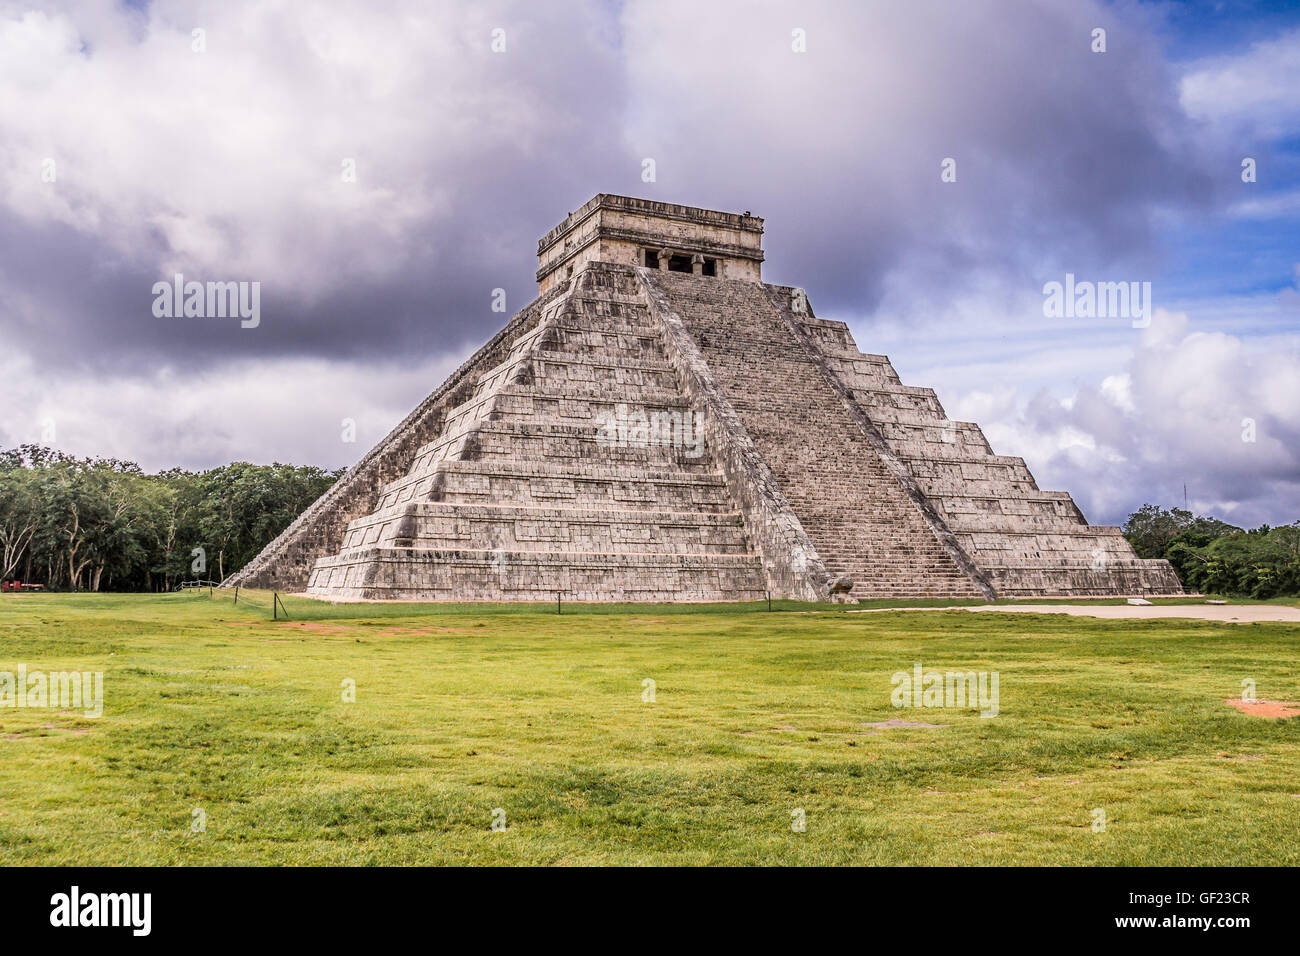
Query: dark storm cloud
(1064,156)
(463,158)
(225,165)
(104,320)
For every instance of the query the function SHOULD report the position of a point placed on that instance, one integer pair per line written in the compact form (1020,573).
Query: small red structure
(19,586)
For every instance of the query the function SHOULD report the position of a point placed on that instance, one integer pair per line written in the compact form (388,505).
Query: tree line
(100,524)
(1215,557)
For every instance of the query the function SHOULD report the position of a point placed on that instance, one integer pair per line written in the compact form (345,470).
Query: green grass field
(464,709)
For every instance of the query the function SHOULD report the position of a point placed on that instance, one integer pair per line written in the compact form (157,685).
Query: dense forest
(1215,557)
(99,524)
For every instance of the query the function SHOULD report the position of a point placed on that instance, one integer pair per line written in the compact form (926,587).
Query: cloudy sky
(133,147)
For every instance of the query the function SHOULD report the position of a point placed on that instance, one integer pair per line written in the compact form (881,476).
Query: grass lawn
(463,709)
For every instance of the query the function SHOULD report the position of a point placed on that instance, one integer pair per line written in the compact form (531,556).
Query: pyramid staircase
(860,520)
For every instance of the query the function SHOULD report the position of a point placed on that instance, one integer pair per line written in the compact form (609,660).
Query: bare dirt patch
(315,627)
(1265,708)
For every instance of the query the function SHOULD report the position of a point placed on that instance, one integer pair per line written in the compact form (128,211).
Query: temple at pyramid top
(661,235)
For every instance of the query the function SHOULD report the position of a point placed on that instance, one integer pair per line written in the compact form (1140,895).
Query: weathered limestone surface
(527,492)
(856,513)
(686,433)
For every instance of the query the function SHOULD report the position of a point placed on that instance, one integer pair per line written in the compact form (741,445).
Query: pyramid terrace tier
(541,483)
(425,524)
(1060,577)
(501,575)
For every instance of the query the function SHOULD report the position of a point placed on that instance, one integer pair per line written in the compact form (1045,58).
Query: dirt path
(1222,613)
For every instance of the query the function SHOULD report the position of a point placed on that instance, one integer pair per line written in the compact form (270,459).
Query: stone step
(594,315)
(980,494)
(593,407)
(1059,562)
(974,524)
(610,363)
(882,402)
(1130,577)
(565,351)
(675,424)
(490,575)
(619,485)
(512,369)
(603,302)
(864,371)
(532,528)
(941,437)
(623,342)
(596,392)
(550,441)
(1082,538)
(965,491)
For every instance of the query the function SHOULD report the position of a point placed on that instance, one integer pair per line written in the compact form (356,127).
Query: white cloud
(1118,390)
(1254,89)
(1178,413)
(288,410)
(1281,205)
(230,161)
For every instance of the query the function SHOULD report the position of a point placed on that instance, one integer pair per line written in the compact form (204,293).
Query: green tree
(104,523)
(19,516)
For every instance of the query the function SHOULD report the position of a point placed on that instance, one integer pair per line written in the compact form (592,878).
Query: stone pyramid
(662,425)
